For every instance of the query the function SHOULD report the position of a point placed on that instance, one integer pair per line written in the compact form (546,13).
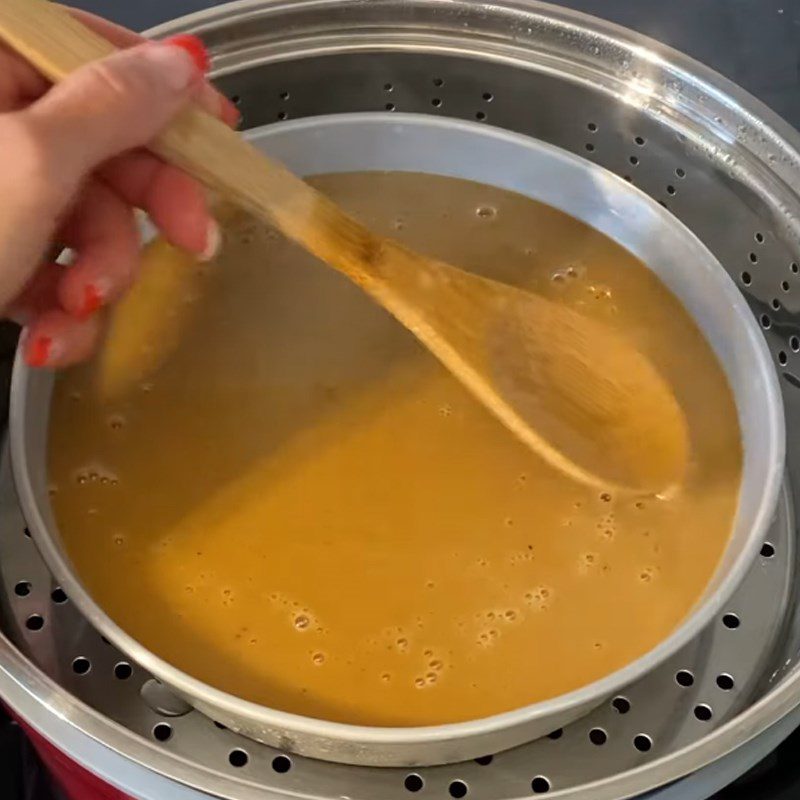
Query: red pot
(74,781)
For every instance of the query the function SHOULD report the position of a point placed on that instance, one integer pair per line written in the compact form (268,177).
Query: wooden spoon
(575,391)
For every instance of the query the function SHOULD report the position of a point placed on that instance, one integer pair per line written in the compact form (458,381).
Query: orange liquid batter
(304,509)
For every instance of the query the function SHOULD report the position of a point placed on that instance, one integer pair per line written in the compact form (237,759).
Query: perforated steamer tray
(418,143)
(720,161)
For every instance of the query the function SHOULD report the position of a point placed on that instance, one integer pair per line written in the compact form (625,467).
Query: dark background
(755,43)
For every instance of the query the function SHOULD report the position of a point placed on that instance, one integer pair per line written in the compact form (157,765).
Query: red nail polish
(39,351)
(92,300)
(194,46)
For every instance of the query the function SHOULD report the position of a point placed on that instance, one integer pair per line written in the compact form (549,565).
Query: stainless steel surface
(416,143)
(721,161)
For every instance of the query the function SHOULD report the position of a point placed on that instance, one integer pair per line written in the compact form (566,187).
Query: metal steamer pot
(416,143)
(520,91)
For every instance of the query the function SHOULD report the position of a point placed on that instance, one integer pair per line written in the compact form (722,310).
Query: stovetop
(756,43)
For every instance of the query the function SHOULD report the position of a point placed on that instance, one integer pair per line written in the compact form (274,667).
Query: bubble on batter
(318,658)
(606,497)
(436,664)
(539,597)
(599,292)
(508,522)
(639,505)
(510,615)
(607,521)
(565,274)
(588,561)
(486,212)
(386,677)
(648,574)
(419,683)
(189,589)
(402,644)
(430,585)
(118,539)
(116,422)
(301,622)
(427,652)
(445,410)
(519,557)
(431,678)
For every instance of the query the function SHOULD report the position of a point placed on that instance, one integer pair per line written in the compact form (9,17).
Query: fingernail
(213,241)
(39,351)
(176,65)
(92,300)
(194,46)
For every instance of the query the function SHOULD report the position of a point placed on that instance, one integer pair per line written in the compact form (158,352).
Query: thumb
(110,106)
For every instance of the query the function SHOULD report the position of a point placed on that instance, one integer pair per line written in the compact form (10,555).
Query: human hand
(72,171)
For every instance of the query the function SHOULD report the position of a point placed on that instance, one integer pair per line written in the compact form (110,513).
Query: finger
(108,107)
(20,84)
(57,339)
(39,295)
(216,104)
(102,231)
(208,97)
(175,202)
